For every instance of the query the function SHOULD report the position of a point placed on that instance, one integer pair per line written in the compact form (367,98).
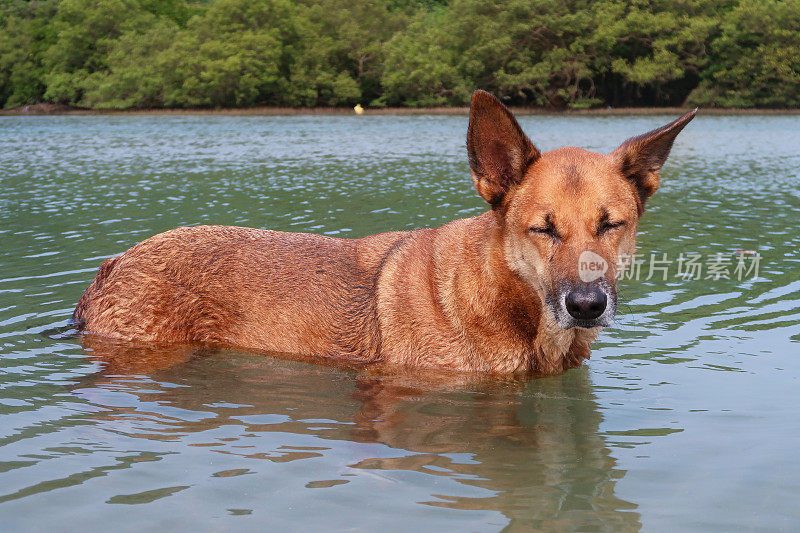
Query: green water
(685,418)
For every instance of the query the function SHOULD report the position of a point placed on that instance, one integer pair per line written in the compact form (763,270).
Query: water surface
(684,419)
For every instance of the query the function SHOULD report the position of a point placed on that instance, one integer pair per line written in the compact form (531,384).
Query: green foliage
(420,67)
(527,52)
(122,54)
(654,50)
(228,57)
(24,37)
(87,31)
(139,70)
(756,59)
(340,49)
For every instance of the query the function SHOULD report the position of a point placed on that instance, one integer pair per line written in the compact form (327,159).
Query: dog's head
(568,216)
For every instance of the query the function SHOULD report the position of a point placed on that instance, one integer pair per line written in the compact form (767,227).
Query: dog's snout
(586,303)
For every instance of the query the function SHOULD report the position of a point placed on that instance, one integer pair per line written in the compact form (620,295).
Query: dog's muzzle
(584,305)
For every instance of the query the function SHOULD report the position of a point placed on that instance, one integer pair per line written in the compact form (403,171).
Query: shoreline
(53,110)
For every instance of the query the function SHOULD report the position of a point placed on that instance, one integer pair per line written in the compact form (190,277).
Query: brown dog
(501,292)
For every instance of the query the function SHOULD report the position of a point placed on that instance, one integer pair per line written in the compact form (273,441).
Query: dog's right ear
(499,152)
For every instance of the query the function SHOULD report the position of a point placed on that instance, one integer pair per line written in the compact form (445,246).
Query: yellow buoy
(358,109)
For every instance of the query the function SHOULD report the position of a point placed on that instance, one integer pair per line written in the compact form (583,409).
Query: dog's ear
(640,158)
(499,152)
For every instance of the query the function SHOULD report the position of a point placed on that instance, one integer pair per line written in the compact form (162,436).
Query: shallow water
(684,419)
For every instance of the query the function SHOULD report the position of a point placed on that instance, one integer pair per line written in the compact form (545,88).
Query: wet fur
(470,296)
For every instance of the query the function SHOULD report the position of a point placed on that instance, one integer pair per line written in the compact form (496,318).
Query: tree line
(127,54)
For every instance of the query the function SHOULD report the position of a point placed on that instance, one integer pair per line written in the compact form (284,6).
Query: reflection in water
(527,450)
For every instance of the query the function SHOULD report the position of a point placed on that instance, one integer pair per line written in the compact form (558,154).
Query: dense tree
(528,52)
(138,74)
(420,67)
(25,35)
(86,32)
(755,62)
(122,54)
(338,55)
(653,50)
(230,56)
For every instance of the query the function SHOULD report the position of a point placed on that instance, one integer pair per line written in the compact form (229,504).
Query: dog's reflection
(533,444)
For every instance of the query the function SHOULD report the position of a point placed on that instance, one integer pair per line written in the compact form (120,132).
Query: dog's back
(267,290)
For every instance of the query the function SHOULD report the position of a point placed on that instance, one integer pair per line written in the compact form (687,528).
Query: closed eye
(548,228)
(606,226)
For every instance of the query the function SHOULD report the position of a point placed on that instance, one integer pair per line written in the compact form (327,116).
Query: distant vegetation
(121,54)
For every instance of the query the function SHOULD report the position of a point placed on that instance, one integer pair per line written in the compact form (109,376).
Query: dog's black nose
(586,303)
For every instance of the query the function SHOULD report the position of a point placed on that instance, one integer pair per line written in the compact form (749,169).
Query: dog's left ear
(499,152)
(641,158)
